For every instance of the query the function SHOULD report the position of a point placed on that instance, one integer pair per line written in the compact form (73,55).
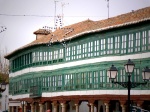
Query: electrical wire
(42,15)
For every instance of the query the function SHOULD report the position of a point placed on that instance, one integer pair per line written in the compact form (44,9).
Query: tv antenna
(55,11)
(62,5)
(108,7)
(2,29)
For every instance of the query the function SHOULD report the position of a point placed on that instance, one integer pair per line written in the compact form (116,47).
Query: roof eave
(105,28)
(82,33)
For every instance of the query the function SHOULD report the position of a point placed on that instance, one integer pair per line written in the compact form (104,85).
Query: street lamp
(5,102)
(129,67)
(2,87)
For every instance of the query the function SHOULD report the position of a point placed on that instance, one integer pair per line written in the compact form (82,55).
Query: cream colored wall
(4,99)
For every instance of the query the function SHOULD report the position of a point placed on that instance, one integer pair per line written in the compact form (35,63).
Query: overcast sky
(23,17)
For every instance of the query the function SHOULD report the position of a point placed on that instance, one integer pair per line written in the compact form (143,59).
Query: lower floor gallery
(82,103)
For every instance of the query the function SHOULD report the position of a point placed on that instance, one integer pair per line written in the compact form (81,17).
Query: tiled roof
(89,26)
(42,31)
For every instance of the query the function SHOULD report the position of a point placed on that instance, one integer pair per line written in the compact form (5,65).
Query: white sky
(20,28)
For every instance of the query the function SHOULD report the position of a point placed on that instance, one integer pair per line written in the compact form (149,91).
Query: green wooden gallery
(66,70)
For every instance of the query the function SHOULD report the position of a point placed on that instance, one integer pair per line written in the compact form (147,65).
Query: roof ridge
(89,26)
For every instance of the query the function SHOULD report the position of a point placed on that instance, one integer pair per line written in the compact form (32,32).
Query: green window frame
(19,62)
(89,80)
(68,81)
(55,54)
(26,59)
(35,56)
(68,51)
(78,80)
(122,76)
(124,44)
(73,52)
(84,55)
(96,48)
(61,53)
(90,49)
(148,40)
(49,83)
(67,78)
(50,55)
(137,42)
(26,85)
(130,42)
(102,78)
(54,83)
(103,47)
(44,82)
(78,51)
(117,44)
(136,75)
(83,80)
(144,35)
(40,56)
(95,79)
(110,45)
(45,56)
(59,80)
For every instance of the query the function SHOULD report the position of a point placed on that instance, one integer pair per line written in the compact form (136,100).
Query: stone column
(25,107)
(63,105)
(92,107)
(123,104)
(41,107)
(9,109)
(12,108)
(106,107)
(123,108)
(16,109)
(32,107)
(55,106)
(77,107)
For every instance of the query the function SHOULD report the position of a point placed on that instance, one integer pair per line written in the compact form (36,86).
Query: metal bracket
(132,84)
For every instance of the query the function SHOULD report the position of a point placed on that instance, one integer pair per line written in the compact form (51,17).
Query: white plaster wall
(4,99)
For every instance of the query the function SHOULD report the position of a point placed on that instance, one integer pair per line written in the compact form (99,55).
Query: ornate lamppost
(2,87)
(129,67)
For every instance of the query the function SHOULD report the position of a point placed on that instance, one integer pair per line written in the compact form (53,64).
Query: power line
(24,15)
(41,15)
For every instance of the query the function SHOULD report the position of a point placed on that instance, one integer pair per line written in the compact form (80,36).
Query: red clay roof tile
(88,26)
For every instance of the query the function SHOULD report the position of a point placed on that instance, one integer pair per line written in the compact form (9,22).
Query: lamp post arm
(132,84)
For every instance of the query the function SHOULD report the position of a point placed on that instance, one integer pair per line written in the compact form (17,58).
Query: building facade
(66,70)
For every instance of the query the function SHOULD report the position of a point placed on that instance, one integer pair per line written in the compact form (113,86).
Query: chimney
(41,32)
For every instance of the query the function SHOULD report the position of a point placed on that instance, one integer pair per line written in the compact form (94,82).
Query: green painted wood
(20,61)
(76,78)
(83,77)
